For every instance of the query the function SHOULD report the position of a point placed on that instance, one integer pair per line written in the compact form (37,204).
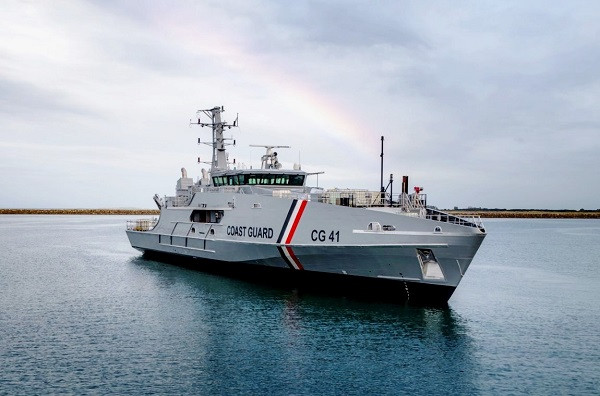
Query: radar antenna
(219,156)
(269,160)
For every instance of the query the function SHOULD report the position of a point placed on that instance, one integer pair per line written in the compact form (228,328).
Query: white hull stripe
(287,220)
(291,221)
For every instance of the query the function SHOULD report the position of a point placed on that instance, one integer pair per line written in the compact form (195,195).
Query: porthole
(437,229)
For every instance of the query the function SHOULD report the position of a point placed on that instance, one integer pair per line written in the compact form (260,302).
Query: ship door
(429,265)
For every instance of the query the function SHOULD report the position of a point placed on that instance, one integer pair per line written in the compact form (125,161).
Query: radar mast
(219,156)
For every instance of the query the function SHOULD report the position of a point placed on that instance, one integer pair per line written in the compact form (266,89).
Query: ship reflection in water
(248,337)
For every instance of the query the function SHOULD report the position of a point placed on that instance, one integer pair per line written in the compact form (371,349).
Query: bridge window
(259,179)
(296,180)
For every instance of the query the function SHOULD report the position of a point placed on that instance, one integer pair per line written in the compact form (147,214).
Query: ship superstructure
(269,219)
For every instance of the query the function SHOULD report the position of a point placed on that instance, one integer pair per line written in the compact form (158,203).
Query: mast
(219,155)
(382,190)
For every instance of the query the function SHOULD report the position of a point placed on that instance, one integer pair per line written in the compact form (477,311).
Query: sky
(482,103)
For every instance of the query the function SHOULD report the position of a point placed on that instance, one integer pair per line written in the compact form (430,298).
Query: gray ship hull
(416,259)
(316,283)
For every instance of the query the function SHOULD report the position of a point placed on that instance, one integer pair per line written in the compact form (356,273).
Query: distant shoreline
(79,212)
(529,214)
(514,214)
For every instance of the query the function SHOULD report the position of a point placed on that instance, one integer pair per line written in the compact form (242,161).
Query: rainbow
(205,39)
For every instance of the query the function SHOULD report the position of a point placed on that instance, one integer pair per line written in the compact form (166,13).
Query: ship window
(259,179)
(265,180)
(297,180)
(206,216)
(218,181)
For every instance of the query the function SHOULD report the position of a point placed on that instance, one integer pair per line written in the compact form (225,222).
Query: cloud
(499,98)
(29,100)
(352,25)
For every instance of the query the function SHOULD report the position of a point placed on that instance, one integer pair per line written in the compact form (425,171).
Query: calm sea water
(81,312)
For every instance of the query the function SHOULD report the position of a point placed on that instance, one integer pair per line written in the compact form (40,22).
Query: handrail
(141,224)
(469,221)
(368,199)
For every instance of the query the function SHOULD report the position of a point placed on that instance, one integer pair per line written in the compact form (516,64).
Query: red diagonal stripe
(296,221)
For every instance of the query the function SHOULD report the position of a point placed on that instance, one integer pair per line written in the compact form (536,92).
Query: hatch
(429,265)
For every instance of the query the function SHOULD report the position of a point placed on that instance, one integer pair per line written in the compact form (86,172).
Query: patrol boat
(267,221)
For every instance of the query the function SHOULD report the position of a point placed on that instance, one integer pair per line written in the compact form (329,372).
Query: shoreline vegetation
(490,213)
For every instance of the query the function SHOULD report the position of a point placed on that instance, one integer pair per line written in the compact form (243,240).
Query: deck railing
(141,224)
(367,199)
(469,221)
(410,204)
